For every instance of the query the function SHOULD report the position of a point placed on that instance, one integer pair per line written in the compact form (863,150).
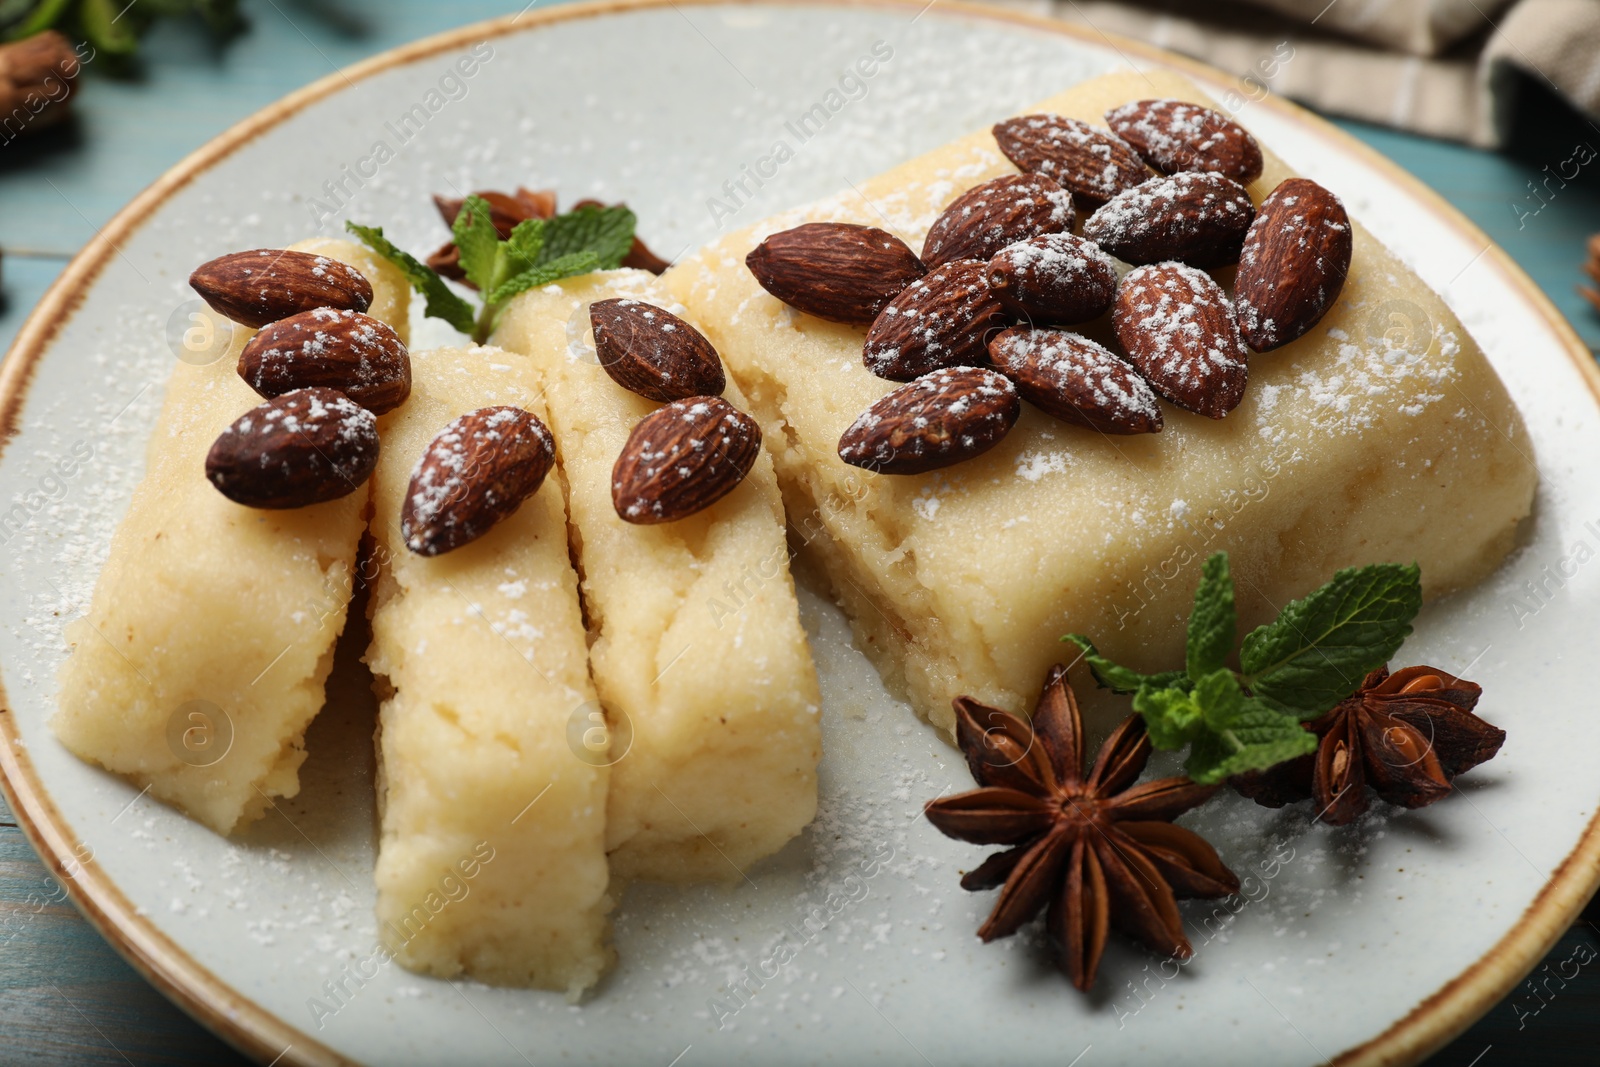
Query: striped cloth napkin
(1446,68)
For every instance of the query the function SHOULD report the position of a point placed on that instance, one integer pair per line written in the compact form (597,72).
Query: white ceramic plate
(1374,942)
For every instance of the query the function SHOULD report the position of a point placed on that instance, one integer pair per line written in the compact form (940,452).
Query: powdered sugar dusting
(939,320)
(1177,327)
(996,213)
(1196,217)
(940,418)
(1057,277)
(1073,378)
(1095,163)
(1175,135)
(458,465)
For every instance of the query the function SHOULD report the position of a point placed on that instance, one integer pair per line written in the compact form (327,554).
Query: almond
(345,350)
(1072,378)
(987,217)
(300,448)
(1093,165)
(1195,218)
(1057,278)
(268,284)
(474,474)
(1177,326)
(1175,135)
(1293,265)
(650,351)
(943,320)
(682,458)
(835,270)
(938,420)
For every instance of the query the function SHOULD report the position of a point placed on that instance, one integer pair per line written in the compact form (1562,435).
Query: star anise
(1406,734)
(1098,851)
(508,209)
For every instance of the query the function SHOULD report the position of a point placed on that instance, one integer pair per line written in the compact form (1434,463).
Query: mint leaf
(1227,730)
(555,270)
(1116,678)
(605,231)
(1170,715)
(522,247)
(478,242)
(1241,732)
(1213,624)
(443,303)
(1320,648)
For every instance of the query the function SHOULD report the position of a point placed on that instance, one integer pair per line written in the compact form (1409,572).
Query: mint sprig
(443,303)
(538,252)
(1228,731)
(1317,652)
(1121,679)
(1320,648)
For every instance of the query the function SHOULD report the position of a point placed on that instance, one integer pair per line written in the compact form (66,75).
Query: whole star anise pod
(505,211)
(1098,851)
(1406,734)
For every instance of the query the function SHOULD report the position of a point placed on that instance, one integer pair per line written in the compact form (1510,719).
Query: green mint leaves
(538,252)
(1320,648)
(1316,653)
(607,232)
(443,303)
(1116,678)
(1213,624)
(1227,730)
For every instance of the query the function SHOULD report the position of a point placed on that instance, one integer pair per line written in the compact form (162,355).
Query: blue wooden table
(65,996)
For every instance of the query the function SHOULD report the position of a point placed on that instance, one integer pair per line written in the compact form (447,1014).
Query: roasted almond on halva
(1076,380)
(474,474)
(345,350)
(1177,326)
(301,448)
(1175,135)
(1293,264)
(1056,279)
(835,270)
(1194,218)
(267,284)
(652,352)
(1093,165)
(987,217)
(683,458)
(942,418)
(942,320)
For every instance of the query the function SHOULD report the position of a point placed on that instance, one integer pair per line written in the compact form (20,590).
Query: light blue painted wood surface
(65,997)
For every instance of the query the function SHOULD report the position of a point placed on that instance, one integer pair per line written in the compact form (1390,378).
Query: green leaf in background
(108,26)
(111,26)
(443,303)
(478,242)
(30,16)
(1116,678)
(1319,649)
(1213,624)
(605,231)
